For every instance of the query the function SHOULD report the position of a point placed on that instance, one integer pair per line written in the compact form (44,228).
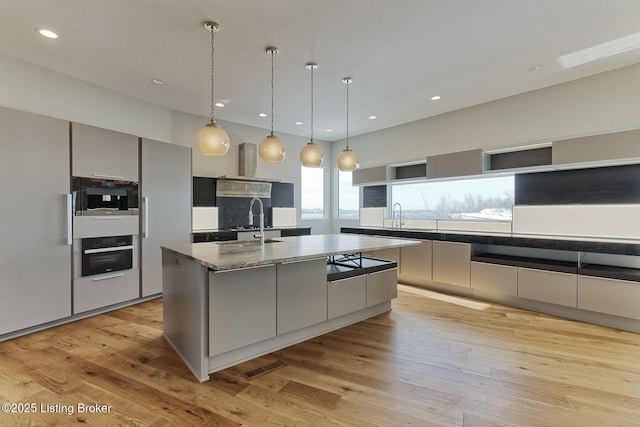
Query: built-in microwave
(98,196)
(106,254)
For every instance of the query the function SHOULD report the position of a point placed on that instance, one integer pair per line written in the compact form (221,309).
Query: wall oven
(106,254)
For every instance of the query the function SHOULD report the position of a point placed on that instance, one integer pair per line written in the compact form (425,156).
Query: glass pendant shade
(212,140)
(311,155)
(347,161)
(272,150)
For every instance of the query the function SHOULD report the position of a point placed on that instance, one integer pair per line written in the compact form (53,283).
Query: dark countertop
(234,230)
(504,239)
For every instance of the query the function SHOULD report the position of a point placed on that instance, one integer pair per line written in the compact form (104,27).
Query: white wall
(37,90)
(602,103)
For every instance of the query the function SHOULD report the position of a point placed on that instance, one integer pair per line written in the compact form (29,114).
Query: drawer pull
(103,218)
(113,276)
(97,175)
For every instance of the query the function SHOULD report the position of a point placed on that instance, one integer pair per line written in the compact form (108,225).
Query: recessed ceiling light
(329,130)
(436,98)
(533,68)
(46,33)
(262,114)
(219,104)
(299,123)
(372,117)
(158,82)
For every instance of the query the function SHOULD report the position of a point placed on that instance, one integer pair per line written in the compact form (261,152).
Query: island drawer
(346,296)
(382,286)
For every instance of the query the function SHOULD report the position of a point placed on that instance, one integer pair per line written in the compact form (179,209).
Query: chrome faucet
(261,235)
(397,222)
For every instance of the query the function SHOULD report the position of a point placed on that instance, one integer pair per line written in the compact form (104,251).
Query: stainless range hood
(247,164)
(245,184)
(239,188)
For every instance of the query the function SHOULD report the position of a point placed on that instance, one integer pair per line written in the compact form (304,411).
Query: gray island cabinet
(228,302)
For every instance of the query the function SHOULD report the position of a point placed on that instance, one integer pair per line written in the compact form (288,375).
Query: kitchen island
(228,302)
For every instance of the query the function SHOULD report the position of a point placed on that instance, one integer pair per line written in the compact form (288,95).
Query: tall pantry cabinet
(165,187)
(35,248)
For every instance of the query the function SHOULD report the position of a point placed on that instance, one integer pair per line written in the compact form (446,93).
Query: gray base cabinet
(415,264)
(382,286)
(611,296)
(346,296)
(452,263)
(35,254)
(500,279)
(548,286)
(102,290)
(242,307)
(165,187)
(302,294)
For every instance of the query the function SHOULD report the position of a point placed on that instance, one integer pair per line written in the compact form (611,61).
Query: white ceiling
(399,53)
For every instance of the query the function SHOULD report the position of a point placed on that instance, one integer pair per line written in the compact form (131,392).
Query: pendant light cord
(212,115)
(312,67)
(272,53)
(347,113)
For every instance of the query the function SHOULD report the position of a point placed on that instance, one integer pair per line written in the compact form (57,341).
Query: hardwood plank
(435,359)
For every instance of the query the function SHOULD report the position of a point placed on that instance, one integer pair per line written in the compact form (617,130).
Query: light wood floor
(433,360)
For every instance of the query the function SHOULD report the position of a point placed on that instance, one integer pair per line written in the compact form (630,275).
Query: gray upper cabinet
(103,153)
(370,175)
(462,163)
(597,148)
(35,259)
(166,206)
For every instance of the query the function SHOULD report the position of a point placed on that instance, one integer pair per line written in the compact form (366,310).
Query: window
(312,193)
(348,197)
(480,199)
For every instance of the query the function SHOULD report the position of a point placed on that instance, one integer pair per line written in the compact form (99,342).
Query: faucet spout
(397,222)
(261,235)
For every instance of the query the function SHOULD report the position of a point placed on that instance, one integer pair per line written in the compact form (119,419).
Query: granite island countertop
(240,254)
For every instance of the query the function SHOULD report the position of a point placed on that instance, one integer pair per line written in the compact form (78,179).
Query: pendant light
(212,140)
(311,154)
(271,149)
(347,161)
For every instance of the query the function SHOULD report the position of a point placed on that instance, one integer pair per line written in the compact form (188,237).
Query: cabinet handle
(69,219)
(145,217)
(113,276)
(382,271)
(345,279)
(303,260)
(106,218)
(97,175)
(240,269)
